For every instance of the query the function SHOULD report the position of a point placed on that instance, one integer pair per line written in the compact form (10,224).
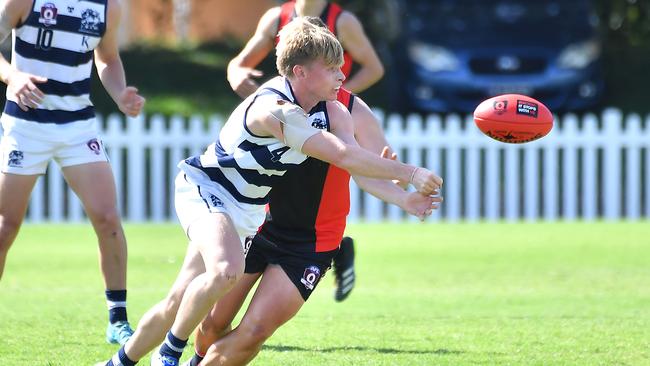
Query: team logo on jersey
(318,121)
(310,277)
(48,14)
(15,159)
(94,146)
(90,22)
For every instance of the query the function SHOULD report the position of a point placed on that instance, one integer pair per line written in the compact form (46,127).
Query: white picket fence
(586,168)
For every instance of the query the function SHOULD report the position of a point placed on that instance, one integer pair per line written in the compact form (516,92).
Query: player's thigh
(207,222)
(14,195)
(94,184)
(276,301)
(218,241)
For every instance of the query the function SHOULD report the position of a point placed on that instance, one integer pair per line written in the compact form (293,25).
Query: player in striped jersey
(359,55)
(221,195)
(49,116)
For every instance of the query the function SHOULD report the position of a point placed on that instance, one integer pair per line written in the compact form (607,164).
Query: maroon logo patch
(310,277)
(48,14)
(94,146)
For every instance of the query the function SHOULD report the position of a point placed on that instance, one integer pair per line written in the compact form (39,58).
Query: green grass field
(427,294)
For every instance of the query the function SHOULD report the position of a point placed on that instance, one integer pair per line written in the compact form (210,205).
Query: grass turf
(427,294)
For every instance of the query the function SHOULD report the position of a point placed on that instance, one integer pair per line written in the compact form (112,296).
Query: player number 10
(44,39)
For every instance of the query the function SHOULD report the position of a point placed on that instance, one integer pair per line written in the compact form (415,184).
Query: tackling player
(358,52)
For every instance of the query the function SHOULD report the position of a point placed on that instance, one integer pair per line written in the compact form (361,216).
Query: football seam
(541,123)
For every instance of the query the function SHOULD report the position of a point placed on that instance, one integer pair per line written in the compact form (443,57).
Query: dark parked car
(455,53)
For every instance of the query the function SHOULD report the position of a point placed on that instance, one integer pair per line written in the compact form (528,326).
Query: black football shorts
(305,269)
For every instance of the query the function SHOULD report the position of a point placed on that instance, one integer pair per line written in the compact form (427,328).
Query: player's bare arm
(21,87)
(356,43)
(287,123)
(110,68)
(369,134)
(414,203)
(241,72)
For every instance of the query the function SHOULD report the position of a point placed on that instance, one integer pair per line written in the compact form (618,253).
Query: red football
(513,118)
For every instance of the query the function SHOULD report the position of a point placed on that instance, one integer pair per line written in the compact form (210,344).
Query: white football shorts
(26,147)
(193,201)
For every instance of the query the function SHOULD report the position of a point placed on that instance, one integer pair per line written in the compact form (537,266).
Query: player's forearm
(111,74)
(364,78)
(359,161)
(385,190)
(5,69)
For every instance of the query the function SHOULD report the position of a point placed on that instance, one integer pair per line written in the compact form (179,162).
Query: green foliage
(625,26)
(180,80)
(427,294)
(626,21)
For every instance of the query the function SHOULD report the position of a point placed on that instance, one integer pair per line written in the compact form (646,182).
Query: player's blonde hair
(303,40)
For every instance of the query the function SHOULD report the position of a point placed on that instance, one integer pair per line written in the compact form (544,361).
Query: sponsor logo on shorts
(247,244)
(500,106)
(527,108)
(216,201)
(15,159)
(310,277)
(94,146)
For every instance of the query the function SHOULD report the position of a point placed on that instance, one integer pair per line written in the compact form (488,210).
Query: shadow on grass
(440,351)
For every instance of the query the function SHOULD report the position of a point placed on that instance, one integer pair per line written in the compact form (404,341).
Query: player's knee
(225,274)
(9,227)
(257,332)
(106,219)
(211,327)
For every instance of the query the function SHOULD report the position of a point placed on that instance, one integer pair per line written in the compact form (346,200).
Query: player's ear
(299,71)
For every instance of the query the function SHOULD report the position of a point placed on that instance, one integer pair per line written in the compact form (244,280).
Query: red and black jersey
(309,205)
(329,16)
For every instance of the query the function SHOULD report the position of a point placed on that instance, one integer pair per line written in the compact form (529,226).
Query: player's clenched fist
(425,181)
(130,102)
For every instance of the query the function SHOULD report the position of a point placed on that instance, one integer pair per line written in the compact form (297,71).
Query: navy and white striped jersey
(56,42)
(246,165)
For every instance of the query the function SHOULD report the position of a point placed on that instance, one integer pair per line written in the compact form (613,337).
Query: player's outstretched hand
(22,88)
(425,181)
(242,81)
(420,205)
(130,102)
